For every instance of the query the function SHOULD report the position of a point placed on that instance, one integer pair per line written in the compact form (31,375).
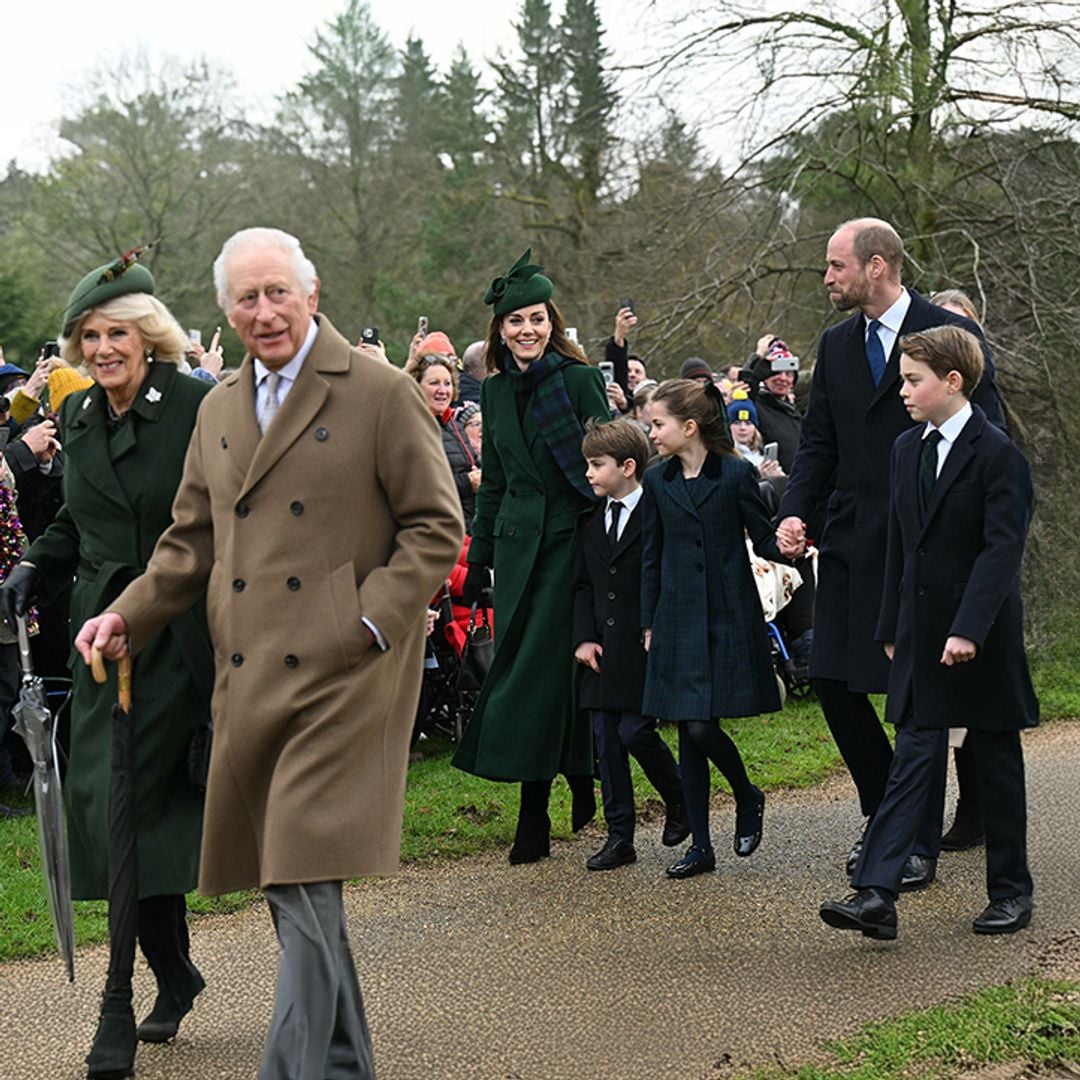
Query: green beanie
(521,286)
(118,278)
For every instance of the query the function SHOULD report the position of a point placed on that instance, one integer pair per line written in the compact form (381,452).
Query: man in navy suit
(952,624)
(853,418)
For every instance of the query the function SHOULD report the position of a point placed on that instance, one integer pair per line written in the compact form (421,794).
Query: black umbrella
(113,1051)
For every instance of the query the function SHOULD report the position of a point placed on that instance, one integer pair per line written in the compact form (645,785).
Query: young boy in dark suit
(951,622)
(607,636)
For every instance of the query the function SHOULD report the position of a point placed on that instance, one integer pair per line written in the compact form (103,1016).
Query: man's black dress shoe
(965,832)
(748,823)
(615,852)
(676,825)
(864,911)
(919,872)
(695,861)
(1004,916)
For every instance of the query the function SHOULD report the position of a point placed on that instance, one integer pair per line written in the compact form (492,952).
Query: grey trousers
(319,1031)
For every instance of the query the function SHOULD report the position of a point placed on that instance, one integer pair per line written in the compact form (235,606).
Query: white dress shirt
(629,501)
(891,320)
(950,431)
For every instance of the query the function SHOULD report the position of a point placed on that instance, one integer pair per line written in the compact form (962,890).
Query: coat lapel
(87,432)
(329,354)
(961,453)
(513,434)
(676,488)
(631,532)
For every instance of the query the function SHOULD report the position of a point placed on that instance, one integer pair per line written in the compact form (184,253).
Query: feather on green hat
(119,278)
(521,286)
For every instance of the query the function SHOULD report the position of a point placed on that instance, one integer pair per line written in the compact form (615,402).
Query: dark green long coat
(525,725)
(118,496)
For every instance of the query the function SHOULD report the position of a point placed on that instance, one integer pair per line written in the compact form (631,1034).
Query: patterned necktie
(928,466)
(875,352)
(271,407)
(613,528)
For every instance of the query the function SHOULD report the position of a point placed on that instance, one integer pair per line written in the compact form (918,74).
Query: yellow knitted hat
(64,381)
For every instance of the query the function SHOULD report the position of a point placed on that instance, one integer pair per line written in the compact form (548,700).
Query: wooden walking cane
(113,1050)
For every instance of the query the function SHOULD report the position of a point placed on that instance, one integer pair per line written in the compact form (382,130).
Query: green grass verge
(1034,1022)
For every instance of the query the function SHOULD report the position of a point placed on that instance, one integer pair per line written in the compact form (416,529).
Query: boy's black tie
(613,529)
(928,466)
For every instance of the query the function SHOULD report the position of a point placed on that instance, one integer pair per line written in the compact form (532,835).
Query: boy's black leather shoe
(865,911)
(695,861)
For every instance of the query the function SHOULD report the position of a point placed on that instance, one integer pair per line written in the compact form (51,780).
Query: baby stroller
(456,657)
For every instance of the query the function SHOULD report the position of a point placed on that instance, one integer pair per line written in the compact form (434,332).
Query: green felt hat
(521,286)
(118,278)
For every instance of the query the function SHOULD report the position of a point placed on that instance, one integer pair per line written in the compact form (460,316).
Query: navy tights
(702,741)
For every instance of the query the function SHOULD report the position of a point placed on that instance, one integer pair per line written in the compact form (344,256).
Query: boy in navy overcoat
(951,622)
(607,640)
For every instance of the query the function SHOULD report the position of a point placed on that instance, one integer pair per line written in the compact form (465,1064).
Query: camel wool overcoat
(345,510)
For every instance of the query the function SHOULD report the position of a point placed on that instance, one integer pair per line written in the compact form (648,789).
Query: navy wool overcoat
(709,655)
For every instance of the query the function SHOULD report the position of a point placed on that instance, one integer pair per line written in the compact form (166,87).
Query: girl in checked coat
(708,650)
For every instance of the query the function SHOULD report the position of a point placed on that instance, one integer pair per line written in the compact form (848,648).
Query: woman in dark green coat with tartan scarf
(535,403)
(124,441)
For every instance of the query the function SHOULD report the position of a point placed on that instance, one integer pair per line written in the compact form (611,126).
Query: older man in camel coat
(318,510)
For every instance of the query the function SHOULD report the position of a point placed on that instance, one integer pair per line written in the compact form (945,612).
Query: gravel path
(543,972)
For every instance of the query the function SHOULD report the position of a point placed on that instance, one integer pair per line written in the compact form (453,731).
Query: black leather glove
(18,591)
(477,579)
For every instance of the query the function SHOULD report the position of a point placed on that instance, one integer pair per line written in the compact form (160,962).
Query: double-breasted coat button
(293,583)
(297,507)
(237,659)
(322,434)
(611,570)
(242,510)
(512,531)
(239,584)
(610,621)
(920,591)
(291,661)
(611,596)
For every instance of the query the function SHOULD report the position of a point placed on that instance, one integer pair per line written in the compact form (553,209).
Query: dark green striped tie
(928,466)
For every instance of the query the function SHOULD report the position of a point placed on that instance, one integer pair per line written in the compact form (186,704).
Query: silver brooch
(86,404)
(153,395)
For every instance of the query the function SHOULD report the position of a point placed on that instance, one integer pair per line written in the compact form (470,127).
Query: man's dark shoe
(695,861)
(1005,916)
(614,853)
(676,824)
(864,911)
(748,825)
(919,872)
(965,832)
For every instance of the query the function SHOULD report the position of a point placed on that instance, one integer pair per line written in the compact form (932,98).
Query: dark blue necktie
(875,353)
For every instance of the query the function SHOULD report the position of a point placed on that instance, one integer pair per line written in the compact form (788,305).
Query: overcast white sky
(52,44)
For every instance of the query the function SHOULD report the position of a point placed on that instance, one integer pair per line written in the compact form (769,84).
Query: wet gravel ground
(543,972)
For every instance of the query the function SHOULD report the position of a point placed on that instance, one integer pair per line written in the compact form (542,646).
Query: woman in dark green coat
(535,403)
(124,442)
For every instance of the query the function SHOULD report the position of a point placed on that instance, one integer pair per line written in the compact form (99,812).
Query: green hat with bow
(119,278)
(521,286)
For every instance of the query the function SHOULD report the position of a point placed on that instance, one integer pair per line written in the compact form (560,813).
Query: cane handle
(123,676)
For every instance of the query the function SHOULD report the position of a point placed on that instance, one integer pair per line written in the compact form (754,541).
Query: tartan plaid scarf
(554,415)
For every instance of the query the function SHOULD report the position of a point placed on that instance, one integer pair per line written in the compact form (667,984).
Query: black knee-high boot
(532,841)
(163,938)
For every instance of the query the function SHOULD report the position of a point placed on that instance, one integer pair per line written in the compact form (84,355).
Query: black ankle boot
(532,841)
(112,1055)
(177,989)
(583,801)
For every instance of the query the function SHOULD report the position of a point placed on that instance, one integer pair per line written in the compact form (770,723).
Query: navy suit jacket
(955,569)
(844,447)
